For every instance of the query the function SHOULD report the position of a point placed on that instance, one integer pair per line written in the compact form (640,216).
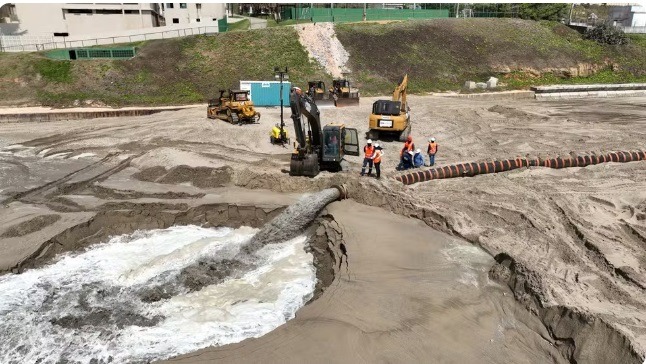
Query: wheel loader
(233,106)
(391,116)
(343,94)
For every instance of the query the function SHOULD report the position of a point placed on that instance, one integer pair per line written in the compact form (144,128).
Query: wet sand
(406,294)
(568,242)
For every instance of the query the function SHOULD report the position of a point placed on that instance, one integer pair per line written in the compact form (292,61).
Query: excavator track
(307,166)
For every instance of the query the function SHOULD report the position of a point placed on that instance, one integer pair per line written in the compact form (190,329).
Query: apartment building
(77,19)
(185,13)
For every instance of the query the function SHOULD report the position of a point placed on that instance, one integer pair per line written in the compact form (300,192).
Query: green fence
(355,15)
(223,25)
(92,53)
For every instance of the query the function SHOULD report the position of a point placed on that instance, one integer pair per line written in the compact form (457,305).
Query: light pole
(281,75)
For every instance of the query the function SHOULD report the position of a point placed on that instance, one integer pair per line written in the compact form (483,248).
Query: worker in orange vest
(432,149)
(408,146)
(368,158)
(377,159)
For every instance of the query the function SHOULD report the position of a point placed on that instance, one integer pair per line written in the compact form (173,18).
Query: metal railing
(65,43)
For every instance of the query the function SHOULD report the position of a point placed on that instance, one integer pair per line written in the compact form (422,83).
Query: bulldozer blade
(324,103)
(346,102)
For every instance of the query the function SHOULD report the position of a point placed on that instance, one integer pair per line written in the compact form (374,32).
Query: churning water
(89,305)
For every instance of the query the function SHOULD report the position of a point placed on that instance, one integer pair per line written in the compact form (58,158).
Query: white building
(186,13)
(78,19)
(628,16)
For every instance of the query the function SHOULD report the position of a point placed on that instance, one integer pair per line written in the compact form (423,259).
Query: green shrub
(606,34)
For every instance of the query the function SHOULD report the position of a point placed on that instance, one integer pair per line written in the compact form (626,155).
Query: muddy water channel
(402,293)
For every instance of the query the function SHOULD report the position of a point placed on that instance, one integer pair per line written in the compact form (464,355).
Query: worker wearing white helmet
(418,159)
(368,157)
(432,150)
(377,159)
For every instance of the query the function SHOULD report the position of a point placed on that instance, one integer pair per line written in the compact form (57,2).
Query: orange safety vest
(378,154)
(432,148)
(369,150)
(407,147)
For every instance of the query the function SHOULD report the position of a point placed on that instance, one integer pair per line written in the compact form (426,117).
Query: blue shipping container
(267,93)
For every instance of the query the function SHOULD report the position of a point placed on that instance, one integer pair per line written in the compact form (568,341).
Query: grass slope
(438,54)
(442,54)
(174,71)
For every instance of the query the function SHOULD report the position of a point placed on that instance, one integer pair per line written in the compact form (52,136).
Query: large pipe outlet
(472,169)
(343,191)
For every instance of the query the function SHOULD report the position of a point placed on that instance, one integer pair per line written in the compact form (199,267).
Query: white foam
(43,152)
(58,155)
(251,306)
(472,261)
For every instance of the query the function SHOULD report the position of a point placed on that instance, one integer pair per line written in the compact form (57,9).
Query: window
(79,11)
(61,34)
(163,7)
(197,20)
(169,5)
(106,11)
(131,11)
(241,97)
(215,19)
(175,20)
(386,107)
(182,5)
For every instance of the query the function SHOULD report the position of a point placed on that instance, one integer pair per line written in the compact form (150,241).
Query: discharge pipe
(295,219)
(474,168)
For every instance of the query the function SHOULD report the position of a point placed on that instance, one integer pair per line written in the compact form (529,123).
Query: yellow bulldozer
(343,94)
(233,106)
(317,92)
(391,116)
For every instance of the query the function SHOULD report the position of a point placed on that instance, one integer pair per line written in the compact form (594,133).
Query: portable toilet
(266,93)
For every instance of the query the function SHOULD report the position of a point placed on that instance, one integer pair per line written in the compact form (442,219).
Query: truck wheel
(272,140)
(373,134)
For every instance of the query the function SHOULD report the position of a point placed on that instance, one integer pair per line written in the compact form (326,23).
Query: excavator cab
(317,147)
(339,141)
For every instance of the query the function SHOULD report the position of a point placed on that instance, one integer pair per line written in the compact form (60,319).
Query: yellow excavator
(391,116)
(317,147)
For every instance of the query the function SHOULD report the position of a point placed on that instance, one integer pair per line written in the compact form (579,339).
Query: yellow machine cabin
(317,92)
(391,116)
(343,94)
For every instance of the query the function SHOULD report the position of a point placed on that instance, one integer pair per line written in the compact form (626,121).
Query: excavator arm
(400,93)
(308,135)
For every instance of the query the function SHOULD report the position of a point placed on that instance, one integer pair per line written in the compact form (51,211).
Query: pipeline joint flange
(343,191)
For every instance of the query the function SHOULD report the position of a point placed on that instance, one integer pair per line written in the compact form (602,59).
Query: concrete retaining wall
(593,90)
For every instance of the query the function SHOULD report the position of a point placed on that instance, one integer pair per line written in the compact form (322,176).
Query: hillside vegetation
(437,54)
(443,54)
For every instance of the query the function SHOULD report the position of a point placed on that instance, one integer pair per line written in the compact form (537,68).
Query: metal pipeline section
(475,168)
